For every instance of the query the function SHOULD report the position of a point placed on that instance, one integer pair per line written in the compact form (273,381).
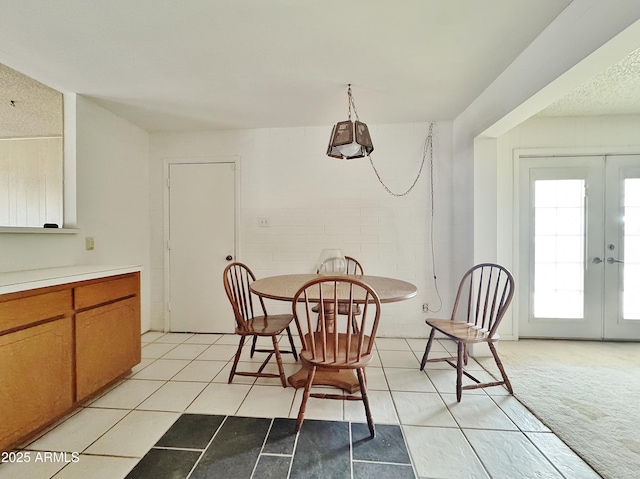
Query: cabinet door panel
(36,384)
(107,344)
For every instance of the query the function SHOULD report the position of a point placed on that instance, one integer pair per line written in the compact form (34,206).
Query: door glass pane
(631,279)
(559,249)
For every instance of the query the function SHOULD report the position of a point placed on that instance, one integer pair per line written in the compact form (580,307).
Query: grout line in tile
(293,454)
(351,448)
(105,432)
(264,442)
(482,463)
(364,461)
(169,448)
(207,446)
(93,454)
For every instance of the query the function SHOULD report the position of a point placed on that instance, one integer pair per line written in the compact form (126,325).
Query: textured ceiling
(615,91)
(222,64)
(27,107)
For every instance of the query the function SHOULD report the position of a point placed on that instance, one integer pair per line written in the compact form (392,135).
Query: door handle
(596,260)
(229,257)
(611,260)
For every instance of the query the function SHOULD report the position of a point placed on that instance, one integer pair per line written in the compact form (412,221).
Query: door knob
(596,260)
(229,257)
(611,260)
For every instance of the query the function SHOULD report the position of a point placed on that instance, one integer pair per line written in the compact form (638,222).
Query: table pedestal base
(344,379)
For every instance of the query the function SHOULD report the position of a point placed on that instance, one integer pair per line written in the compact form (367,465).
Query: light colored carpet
(587,392)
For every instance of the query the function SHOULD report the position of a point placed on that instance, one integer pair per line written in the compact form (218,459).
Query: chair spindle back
(484,295)
(237,280)
(353,267)
(329,338)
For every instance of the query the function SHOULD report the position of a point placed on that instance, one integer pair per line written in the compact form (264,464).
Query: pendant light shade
(350,139)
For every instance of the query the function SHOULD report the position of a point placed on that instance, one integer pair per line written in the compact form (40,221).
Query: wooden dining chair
(333,344)
(353,268)
(483,297)
(237,279)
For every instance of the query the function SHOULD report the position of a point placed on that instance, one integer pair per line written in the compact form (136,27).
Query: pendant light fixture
(350,139)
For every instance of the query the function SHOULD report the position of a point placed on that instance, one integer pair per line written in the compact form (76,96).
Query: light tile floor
(489,434)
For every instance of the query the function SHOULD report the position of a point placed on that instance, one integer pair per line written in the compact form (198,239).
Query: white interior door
(580,246)
(201,238)
(622,248)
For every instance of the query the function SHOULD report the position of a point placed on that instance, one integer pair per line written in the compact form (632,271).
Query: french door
(579,254)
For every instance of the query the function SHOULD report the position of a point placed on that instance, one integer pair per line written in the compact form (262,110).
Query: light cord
(428,150)
(431,221)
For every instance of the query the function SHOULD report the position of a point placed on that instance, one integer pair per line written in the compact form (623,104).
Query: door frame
(520,154)
(590,169)
(167,162)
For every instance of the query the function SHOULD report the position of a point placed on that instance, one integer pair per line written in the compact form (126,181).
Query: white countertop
(14,281)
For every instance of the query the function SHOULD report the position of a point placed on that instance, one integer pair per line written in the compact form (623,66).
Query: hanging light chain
(427,151)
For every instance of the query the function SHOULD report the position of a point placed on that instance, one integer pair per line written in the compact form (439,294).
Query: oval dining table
(284,288)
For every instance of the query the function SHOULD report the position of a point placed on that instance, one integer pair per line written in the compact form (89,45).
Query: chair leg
(459,371)
(365,400)
(293,347)
(427,349)
(253,346)
(236,359)
(305,397)
(507,383)
(276,350)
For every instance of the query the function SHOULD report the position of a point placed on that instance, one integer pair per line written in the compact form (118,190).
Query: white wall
(32,251)
(313,202)
(113,192)
(574,135)
(112,203)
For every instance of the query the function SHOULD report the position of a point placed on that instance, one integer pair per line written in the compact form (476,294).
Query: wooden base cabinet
(37,377)
(107,345)
(62,344)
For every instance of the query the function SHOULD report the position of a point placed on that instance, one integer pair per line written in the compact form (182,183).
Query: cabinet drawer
(107,344)
(36,384)
(106,291)
(17,313)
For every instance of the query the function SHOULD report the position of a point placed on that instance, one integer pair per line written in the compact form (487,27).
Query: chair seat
(464,332)
(265,325)
(340,361)
(342,309)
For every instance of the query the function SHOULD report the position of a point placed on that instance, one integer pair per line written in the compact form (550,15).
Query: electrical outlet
(263,222)
(89,243)
(425,307)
